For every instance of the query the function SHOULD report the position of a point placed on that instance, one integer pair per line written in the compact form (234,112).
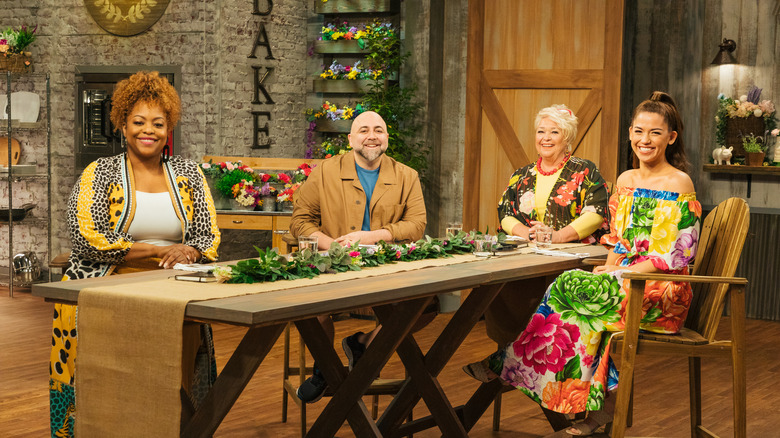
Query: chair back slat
(721,241)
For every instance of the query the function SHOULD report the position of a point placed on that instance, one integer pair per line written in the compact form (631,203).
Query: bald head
(368,138)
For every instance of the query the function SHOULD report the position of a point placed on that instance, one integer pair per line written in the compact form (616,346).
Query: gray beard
(372,155)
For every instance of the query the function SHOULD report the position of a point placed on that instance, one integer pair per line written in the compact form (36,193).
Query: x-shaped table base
(397,321)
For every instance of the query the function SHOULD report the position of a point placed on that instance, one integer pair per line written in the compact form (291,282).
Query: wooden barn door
(524,55)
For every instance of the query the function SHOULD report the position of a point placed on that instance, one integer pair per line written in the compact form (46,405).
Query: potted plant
(245,196)
(14,56)
(737,117)
(754,149)
(268,197)
(213,173)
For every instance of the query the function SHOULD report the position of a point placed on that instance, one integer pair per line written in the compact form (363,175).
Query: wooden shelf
(742,170)
(354,6)
(327,125)
(16,124)
(342,86)
(338,47)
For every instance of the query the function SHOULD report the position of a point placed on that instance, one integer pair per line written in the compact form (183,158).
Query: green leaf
(570,371)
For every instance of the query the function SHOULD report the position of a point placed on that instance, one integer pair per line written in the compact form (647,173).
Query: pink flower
(398,254)
(411,248)
(230,166)
(775,132)
(354,253)
(206,166)
(547,343)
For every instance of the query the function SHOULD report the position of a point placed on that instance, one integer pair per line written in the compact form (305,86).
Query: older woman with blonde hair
(559,190)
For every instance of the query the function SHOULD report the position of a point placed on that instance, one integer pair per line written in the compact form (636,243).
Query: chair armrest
(594,261)
(684,278)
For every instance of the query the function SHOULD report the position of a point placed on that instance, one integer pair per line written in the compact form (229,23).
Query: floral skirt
(62,397)
(561,359)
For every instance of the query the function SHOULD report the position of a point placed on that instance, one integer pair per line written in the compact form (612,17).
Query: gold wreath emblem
(136,12)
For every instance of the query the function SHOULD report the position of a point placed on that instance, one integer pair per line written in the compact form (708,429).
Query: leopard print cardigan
(102,205)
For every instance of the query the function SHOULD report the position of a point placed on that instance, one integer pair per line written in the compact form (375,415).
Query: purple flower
(519,375)
(684,249)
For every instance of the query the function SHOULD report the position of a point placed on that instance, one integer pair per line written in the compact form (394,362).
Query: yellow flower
(352,74)
(360,34)
(591,339)
(376,74)
(667,216)
(347,113)
(337,35)
(513,180)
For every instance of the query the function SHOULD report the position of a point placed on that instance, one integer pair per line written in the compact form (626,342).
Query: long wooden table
(397,299)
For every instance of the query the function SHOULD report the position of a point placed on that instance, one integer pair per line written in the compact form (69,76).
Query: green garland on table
(271,266)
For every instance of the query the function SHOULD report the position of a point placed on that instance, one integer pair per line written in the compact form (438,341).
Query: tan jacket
(332,200)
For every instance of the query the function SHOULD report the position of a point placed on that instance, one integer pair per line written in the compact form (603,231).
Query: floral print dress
(561,360)
(579,189)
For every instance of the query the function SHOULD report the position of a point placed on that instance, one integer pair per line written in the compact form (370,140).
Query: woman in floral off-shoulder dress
(561,360)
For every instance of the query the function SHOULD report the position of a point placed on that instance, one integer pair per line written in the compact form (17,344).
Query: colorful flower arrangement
(246,194)
(337,71)
(343,31)
(333,112)
(270,266)
(330,146)
(746,106)
(14,42)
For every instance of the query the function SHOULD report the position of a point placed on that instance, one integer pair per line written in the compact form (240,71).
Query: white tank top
(155,220)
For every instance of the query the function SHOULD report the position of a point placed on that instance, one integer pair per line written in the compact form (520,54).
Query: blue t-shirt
(368,180)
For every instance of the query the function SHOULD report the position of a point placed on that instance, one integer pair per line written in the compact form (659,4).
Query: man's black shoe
(353,349)
(312,389)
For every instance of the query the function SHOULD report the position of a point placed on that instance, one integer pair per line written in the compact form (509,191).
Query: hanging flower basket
(16,63)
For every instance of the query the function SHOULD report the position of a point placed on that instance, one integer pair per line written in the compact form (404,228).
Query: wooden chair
(720,246)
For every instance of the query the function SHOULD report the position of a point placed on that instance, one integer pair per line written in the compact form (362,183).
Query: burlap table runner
(130,346)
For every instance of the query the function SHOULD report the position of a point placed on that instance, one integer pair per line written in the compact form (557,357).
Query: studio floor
(661,400)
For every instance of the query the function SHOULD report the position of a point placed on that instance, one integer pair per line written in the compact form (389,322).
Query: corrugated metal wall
(760,264)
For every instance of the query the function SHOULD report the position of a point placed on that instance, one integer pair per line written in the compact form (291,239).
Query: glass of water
(543,237)
(454,228)
(307,242)
(483,245)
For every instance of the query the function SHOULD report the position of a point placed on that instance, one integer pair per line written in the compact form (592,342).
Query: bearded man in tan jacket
(362,196)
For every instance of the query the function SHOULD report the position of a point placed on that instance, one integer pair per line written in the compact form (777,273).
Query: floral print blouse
(579,188)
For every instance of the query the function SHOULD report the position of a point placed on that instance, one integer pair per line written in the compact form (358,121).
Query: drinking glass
(543,237)
(483,245)
(454,228)
(307,242)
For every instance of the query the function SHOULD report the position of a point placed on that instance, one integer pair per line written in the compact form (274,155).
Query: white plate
(25,106)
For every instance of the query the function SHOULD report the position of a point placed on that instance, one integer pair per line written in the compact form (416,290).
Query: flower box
(340,46)
(327,125)
(341,85)
(738,127)
(17,63)
(354,6)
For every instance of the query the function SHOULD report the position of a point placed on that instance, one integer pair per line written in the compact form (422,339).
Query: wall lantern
(724,56)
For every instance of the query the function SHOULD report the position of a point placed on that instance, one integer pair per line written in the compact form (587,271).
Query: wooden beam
(613,63)
(473,135)
(569,79)
(587,115)
(503,127)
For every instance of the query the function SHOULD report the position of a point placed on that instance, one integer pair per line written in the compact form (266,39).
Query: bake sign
(126,17)
(260,72)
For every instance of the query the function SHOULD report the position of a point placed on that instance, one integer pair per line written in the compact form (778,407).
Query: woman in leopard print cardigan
(136,211)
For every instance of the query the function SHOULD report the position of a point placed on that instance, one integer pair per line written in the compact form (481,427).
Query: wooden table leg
(241,366)
(348,389)
(439,354)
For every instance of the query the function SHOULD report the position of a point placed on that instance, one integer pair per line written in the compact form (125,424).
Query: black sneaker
(353,349)
(313,388)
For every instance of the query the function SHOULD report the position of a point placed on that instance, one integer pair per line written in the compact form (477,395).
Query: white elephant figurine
(722,155)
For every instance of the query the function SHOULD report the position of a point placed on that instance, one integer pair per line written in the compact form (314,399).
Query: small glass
(543,237)
(483,245)
(307,242)
(454,228)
